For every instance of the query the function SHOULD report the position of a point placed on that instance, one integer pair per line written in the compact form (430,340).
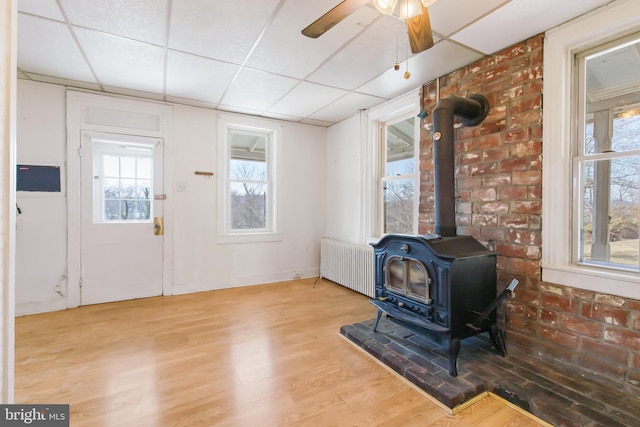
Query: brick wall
(499,192)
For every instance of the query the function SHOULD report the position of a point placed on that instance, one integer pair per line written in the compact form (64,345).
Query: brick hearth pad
(555,392)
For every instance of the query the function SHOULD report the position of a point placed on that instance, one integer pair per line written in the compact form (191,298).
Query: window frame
(560,128)
(384,178)
(228,123)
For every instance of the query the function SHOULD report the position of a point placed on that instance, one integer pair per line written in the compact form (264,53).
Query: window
(247,156)
(399,176)
(591,161)
(123,182)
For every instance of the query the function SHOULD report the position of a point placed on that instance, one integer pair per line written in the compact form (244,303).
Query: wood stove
(442,284)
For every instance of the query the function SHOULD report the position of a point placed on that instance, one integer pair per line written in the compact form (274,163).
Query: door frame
(90,112)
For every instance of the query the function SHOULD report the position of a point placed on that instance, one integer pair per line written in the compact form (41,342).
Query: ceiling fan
(413,11)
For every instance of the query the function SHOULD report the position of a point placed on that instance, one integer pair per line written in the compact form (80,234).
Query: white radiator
(348,264)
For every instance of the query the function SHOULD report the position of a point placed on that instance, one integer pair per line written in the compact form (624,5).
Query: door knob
(158,225)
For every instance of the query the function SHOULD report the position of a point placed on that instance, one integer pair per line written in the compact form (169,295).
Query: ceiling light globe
(428,3)
(385,6)
(408,9)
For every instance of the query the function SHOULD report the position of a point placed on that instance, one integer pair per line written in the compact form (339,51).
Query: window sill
(249,238)
(624,284)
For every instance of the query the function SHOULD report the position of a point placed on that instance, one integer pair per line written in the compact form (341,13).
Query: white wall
(199,263)
(41,233)
(345,195)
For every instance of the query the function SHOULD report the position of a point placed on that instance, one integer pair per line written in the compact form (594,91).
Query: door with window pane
(122,208)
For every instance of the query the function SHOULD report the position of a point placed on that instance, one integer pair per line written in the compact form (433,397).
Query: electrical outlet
(182,187)
(297,275)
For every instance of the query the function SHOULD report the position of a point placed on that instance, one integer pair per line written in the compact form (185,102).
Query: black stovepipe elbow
(471,111)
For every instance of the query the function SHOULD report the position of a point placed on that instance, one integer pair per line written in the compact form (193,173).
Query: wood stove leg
(497,338)
(454,350)
(375,327)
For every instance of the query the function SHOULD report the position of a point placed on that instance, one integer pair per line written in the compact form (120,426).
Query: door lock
(158,225)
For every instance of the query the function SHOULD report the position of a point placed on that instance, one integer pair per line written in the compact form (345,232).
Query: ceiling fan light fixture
(428,3)
(385,6)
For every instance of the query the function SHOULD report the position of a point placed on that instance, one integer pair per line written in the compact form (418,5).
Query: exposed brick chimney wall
(499,191)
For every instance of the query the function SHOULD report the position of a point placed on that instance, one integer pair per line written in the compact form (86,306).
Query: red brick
(564,339)
(549,317)
(517,135)
(603,367)
(524,149)
(484,194)
(514,221)
(520,323)
(526,296)
(522,76)
(495,208)
(511,52)
(556,302)
(481,64)
(470,158)
(622,337)
(495,154)
(511,251)
(497,72)
(526,118)
(497,180)
(634,322)
(635,360)
(513,192)
(514,164)
(494,233)
(633,305)
(525,237)
(580,326)
(524,266)
(604,350)
(535,192)
(526,207)
(485,220)
(468,182)
(521,104)
(610,300)
(552,289)
(527,178)
(486,142)
(581,293)
(604,313)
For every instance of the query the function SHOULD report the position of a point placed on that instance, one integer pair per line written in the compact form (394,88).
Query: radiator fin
(348,264)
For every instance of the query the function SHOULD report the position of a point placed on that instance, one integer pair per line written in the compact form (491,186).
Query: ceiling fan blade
(420,35)
(331,18)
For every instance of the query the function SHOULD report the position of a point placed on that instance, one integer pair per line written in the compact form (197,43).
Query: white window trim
(402,106)
(274,153)
(610,22)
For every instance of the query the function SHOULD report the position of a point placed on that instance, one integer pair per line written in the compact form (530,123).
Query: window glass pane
(400,148)
(111,166)
(248,205)
(144,167)
(111,188)
(111,210)
(143,189)
(398,205)
(244,170)
(626,130)
(609,228)
(127,167)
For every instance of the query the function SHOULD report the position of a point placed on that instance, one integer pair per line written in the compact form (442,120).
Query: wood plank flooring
(268,355)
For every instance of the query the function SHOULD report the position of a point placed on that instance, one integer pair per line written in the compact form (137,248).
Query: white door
(121,217)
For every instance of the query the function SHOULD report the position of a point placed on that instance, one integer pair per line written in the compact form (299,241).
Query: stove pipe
(471,111)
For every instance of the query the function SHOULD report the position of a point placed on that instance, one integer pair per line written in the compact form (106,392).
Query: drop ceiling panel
(223,30)
(143,20)
(306,98)
(441,59)
(45,8)
(123,62)
(346,107)
(375,51)
(41,45)
(520,19)
(304,54)
(198,78)
(449,16)
(257,90)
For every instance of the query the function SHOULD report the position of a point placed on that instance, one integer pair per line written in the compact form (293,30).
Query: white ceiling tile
(306,98)
(520,19)
(45,8)
(223,30)
(122,62)
(143,20)
(449,16)
(257,90)
(304,54)
(195,77)
(441,59)
(346,107)
(374,51)
(41,45)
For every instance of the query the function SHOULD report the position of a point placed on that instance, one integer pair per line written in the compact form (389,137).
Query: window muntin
(123,182)
(607,165)
(398,176)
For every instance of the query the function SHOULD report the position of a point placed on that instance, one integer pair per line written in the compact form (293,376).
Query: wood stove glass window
(409,277)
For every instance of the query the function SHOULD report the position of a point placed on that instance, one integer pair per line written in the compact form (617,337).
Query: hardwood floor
(268,355)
